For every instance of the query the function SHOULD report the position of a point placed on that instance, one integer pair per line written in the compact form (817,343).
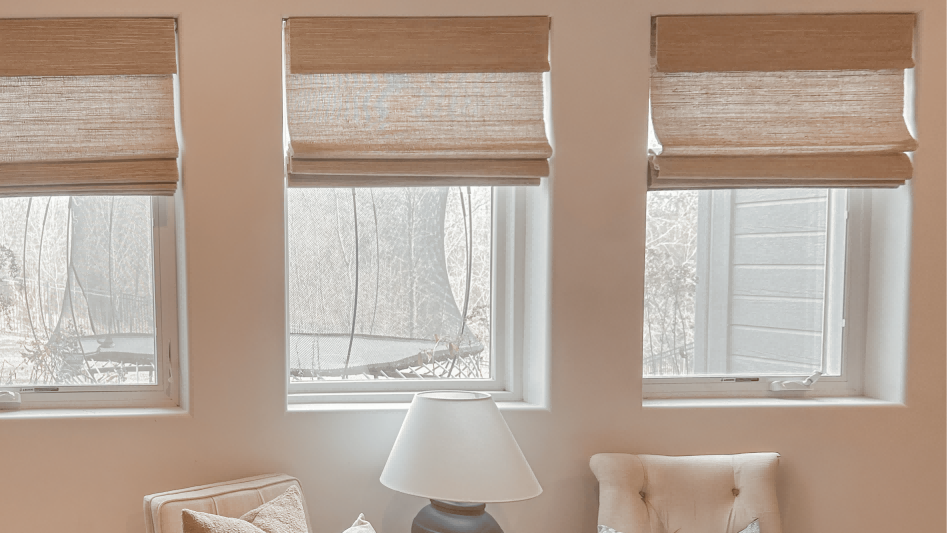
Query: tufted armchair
(695,494)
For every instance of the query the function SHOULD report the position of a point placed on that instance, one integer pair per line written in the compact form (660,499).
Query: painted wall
(869,469)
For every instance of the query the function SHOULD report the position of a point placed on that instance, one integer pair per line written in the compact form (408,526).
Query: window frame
(856,219)
(166,391)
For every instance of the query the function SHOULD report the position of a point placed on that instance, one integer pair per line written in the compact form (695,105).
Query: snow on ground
(16,372)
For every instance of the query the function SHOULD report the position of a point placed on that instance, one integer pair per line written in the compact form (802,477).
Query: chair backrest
(230,498)
(693,494)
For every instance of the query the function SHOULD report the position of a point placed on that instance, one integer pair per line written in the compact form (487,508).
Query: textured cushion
(198,522)
(697,494)
(283,514)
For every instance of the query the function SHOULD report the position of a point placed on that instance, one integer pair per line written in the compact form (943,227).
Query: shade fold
(729,172)
(75,118)
(501,168)
(738,113)
(415,172)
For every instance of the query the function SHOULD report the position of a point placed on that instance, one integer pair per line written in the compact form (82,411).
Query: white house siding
(777,281)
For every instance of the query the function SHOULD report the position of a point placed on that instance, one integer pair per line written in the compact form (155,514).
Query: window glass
(744,282)
(77,291)
(670,290)
(390,283)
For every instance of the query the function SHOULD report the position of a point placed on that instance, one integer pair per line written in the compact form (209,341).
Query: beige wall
(867,469)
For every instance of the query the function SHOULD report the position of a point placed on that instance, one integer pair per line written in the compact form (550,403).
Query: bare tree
(670,282)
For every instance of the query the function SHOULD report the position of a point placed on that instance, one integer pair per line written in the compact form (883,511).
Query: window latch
(9,399)
(795,385)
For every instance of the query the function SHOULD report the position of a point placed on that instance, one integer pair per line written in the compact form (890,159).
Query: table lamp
(455,449)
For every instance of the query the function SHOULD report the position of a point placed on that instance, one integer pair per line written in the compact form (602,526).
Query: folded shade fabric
(416,101)
(833,170)
(87,106)
(781,100)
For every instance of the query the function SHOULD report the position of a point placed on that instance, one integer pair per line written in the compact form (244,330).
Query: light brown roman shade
(780,101)
(87,106)
(416,101)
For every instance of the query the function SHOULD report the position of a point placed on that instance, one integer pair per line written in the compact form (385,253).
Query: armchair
(694,494)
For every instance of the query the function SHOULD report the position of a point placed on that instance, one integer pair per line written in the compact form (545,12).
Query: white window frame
(517,318)
(166,391)
(849,241)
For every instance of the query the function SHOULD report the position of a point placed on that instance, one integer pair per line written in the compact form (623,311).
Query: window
(414,204)
(760,270)
(87,300)
(751,285)
(428,297)
(89,147)
(401,292)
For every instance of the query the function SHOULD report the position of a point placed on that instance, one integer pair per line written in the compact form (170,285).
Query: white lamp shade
(455,446)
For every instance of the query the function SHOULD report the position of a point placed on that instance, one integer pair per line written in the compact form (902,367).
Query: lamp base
(454,517)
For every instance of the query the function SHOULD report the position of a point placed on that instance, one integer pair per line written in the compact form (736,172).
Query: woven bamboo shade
(780,101)
(416,101)
(87,106)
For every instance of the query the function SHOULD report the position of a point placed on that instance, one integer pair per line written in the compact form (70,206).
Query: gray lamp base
(454,517)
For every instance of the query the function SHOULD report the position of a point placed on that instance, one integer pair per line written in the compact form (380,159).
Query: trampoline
(374,291)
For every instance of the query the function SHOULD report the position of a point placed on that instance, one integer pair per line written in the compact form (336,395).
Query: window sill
(107,412)
(715,403)
(394,406)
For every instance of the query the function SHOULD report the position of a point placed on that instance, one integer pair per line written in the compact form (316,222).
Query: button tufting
(641,494)
(736,492)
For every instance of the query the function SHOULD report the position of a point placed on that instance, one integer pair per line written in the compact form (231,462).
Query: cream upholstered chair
(230,498)
(695,494)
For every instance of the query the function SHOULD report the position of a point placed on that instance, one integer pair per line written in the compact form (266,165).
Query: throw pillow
(198,522)
(754,527)
(360,526)
(283,514)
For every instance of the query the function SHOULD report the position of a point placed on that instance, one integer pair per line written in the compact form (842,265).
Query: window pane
(77,299)
(736,282)
(670,283)
(390,283)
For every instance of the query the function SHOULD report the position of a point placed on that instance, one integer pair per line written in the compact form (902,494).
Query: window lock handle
(9,399)
(805,384)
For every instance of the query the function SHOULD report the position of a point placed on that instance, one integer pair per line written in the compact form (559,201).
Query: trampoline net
(390,283)
(77,300)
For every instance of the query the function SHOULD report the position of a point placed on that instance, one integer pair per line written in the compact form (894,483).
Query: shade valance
(780,101)
(87,106)
(416,101)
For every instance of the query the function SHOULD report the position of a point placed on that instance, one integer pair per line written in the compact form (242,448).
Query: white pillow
(360,526)
(754,527)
